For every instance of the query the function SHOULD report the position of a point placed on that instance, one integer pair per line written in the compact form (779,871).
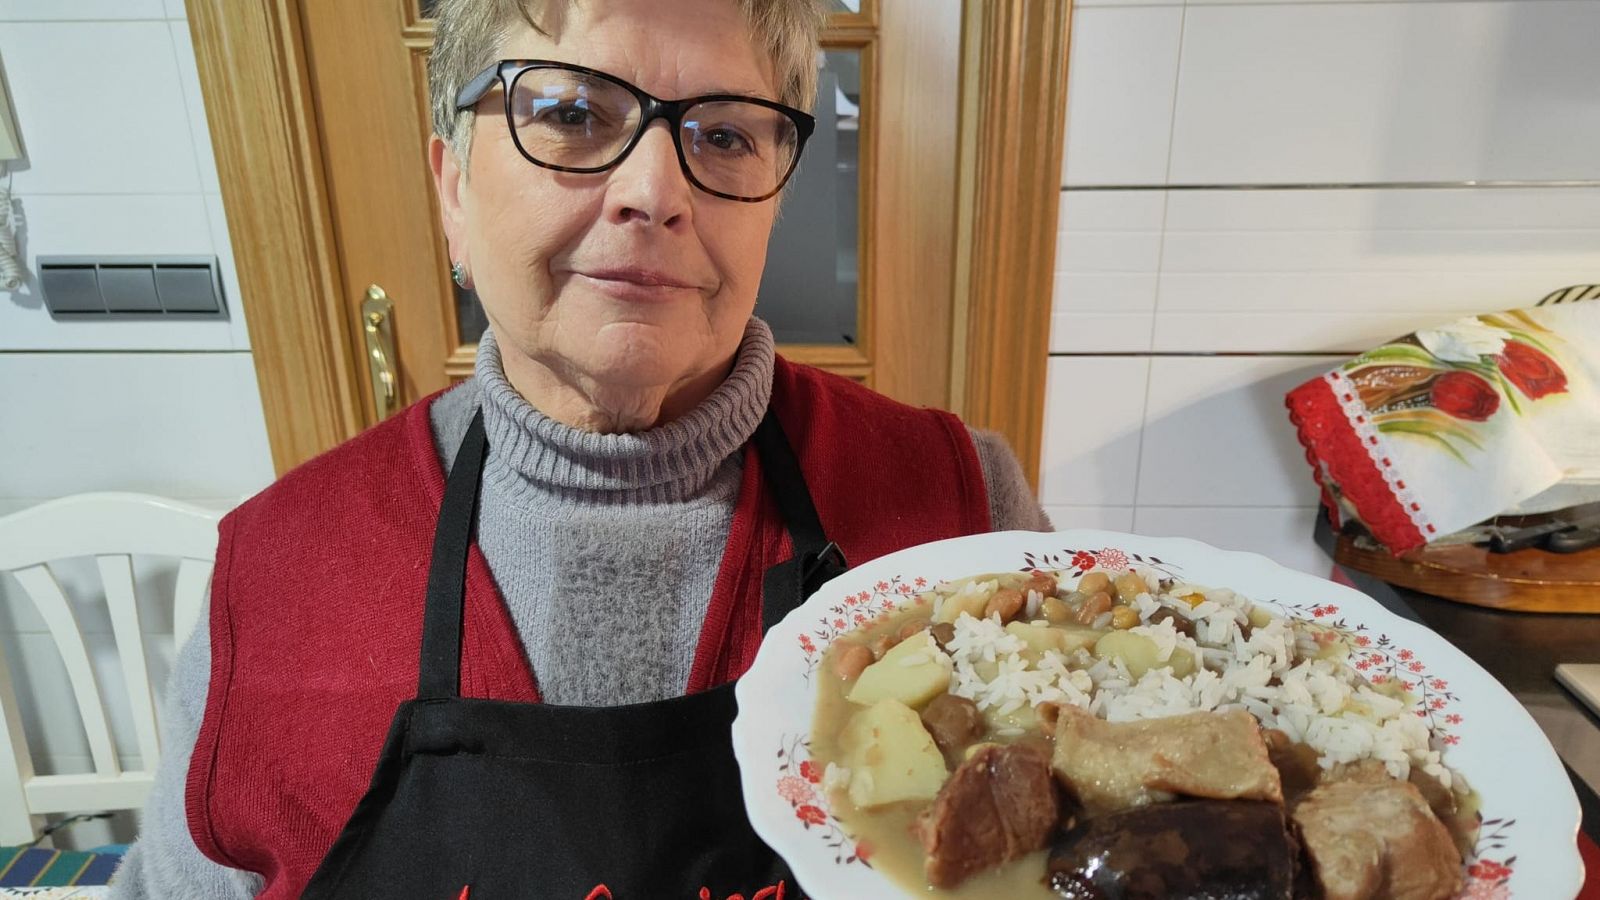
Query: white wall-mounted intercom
(10,143)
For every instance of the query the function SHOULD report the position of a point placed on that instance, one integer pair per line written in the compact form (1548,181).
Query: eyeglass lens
(581,121)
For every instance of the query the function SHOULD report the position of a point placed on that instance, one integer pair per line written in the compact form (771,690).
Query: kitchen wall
(119,161)
(1254,191)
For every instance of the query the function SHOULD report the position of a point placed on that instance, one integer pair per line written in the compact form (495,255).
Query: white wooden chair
(111,527)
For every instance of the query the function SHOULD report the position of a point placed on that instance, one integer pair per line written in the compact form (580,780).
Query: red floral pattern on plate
(1373,653)
(797,773)
(856,611)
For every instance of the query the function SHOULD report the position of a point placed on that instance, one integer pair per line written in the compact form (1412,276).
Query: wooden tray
(1527,581)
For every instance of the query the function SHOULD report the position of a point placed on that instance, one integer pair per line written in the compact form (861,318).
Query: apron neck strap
(785,586)
(816,559)
(440,672)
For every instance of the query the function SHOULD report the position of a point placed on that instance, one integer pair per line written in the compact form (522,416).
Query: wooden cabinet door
(860,266)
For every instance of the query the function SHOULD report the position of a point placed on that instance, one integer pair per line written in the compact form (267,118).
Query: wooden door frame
(258,97)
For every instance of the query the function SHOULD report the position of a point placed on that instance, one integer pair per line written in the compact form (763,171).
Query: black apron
(488,799)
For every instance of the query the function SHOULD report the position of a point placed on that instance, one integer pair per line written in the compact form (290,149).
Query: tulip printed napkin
(1447,427)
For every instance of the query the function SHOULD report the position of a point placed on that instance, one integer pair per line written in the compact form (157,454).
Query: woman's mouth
(636,283)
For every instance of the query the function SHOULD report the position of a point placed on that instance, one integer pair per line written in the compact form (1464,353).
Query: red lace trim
(1332,445)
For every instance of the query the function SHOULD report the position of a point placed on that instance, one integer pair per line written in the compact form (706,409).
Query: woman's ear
(451,183)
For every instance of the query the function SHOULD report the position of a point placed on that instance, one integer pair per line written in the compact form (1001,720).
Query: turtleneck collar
(670,462)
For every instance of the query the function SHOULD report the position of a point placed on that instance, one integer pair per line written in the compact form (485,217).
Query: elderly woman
(541,584)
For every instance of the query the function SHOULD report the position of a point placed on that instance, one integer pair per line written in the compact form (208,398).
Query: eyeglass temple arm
(474,90)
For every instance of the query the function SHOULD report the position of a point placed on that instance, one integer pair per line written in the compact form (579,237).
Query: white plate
(1527,848)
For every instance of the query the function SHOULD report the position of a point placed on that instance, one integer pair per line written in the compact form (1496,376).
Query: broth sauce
(886,832)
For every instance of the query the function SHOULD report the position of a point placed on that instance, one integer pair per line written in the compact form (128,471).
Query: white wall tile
(194,102)
(1318,93)
(1464,209)
(1121,83)
(1108,254)
(1093,411)
(1340,270)
(1112,210)
(1284,535)
(114,123)
(112,224)
(179,425)
(1104,518)
(82,10)
(1216,432)
(1345,334)
(1091,3)
(1095,332)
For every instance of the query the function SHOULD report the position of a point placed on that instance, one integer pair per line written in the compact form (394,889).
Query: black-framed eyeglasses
(575,119)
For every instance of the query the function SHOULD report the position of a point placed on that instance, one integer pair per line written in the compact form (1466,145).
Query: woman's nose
(649,186)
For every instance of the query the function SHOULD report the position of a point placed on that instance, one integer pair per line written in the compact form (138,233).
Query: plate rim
(754,776)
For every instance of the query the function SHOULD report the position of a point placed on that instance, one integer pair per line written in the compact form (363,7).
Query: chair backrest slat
(116,574)
(48,598)
(16,767)
(194,580)
(113,528)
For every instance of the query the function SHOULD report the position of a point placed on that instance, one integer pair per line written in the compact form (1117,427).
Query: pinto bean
(943,633)
(1007,602)
(882,644)
(1093,608)
(913,627)
(850,659)
(1043,582)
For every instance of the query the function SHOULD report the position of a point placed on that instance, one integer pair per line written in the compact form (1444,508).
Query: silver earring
(458,274)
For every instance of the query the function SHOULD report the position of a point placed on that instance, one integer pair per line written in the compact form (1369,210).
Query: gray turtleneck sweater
(645,514)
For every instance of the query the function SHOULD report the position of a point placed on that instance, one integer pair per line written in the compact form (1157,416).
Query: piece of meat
(953,722)
(1237,849)
(1296,763)
(998,806)
(1110,766)
(1376,840)
(1182,625)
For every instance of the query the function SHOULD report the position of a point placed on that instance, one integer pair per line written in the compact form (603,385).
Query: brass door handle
(377,321)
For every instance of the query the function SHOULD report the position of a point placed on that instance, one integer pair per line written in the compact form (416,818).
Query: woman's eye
(728,140)
(567,114)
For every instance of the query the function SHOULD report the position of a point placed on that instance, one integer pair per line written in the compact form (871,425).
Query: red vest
(317,599)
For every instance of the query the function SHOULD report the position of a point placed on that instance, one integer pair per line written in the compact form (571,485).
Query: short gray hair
(468,35)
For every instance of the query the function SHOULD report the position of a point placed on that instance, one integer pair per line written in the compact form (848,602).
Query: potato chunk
(913,672)
(890,755)
(1140,654)
(1040,638)
(1136,651)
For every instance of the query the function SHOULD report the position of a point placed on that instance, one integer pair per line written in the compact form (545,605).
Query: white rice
(1272,671)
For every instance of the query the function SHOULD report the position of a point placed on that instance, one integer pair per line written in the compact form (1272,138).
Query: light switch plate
(71,290)
(187,289)
(129,289)
(132,287)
